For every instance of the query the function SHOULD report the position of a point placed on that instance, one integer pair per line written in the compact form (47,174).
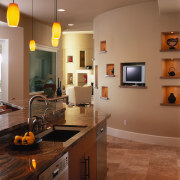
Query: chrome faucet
(30,118)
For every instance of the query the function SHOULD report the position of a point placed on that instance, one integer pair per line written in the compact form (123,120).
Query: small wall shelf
(166,91)
(103,47)
(96,76)
(165,37)
(110,70)
(135,87)
(104,93)
(69,59)
(168,65)
(69,78)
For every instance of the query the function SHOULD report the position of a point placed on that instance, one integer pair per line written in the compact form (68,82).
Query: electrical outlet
(125,123)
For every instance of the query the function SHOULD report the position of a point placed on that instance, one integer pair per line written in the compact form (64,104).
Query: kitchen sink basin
(60,133)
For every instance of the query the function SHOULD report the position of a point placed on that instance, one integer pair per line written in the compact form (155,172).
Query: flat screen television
(134,74)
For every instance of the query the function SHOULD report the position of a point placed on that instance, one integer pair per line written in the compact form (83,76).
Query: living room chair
(79,95)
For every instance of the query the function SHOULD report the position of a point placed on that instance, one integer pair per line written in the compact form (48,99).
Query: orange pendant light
(56,28)
(13,15)
(54,42)
(32,43)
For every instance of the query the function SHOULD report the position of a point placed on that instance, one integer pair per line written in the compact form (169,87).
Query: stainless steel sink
(60,133)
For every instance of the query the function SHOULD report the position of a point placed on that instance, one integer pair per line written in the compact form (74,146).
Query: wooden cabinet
(82,158)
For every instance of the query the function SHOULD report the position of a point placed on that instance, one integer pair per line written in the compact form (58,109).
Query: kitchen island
(29,163)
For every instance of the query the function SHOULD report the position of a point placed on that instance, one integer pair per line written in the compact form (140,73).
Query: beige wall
(42,36)
(72,44)
(133,34)
(12,65)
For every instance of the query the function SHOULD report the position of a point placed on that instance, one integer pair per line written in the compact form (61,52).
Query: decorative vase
(112,71)
(49,88)
(172,43)
(59,91)
(172,98)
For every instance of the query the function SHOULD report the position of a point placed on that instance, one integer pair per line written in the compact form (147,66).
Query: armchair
(79,95)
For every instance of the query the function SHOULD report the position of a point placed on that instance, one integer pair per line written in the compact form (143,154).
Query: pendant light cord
(55,10)
(32,19)
(13,1)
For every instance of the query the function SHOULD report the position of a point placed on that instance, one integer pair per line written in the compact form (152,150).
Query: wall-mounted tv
(134,74)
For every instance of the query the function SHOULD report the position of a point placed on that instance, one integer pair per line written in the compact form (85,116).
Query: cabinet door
(90,156)
(79,165)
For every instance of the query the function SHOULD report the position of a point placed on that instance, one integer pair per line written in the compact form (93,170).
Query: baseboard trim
(144,138)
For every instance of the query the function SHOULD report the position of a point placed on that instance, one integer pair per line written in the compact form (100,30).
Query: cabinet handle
(55,173)
(87,168)
(88,173)
(102,129)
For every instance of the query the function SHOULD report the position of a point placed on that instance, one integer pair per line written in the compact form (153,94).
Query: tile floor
(128,160)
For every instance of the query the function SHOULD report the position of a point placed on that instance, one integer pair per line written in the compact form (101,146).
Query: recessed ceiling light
(61,10)
(70,24)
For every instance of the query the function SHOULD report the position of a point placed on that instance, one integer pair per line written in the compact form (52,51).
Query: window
(42,68)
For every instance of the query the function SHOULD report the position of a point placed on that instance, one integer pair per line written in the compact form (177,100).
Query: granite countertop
(15,119)
(15,164)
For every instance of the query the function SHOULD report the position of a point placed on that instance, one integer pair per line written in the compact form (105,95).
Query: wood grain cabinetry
(82,158)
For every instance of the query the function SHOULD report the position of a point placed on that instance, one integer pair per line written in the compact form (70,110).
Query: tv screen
(133,73)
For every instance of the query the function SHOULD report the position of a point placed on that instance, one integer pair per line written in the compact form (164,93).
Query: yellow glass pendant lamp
(13,15)
(32,45)
(56,30)
(54,42)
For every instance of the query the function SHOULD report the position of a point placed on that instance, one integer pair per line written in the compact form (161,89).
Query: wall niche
(170,41)
(104,93)
(166,91)
(82,58)
(170,68)
(110,70)
(69,59)
(69,78)
(103,47)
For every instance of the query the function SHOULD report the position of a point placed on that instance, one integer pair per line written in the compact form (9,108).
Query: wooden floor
(128,160)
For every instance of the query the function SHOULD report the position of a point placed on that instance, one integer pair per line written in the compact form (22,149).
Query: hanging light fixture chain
(56,10)
(32,19)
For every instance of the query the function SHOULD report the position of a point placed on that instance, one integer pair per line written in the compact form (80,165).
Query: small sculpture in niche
(112,71)
(172,98)
(172,42)
(171,71)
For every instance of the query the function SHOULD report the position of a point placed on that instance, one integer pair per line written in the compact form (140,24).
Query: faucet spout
(30,119)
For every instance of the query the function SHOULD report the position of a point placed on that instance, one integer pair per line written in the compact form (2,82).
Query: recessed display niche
(132,75)
(171,96)
(170,41)
(82,58)
(110,70)
(69,58)
(69,78)
(170,68)
(103,47)
(104,93)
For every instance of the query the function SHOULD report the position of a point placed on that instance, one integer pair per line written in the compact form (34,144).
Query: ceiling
(78,12)
(169,6)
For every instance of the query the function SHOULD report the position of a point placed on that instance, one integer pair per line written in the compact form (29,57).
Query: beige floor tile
(128,160)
